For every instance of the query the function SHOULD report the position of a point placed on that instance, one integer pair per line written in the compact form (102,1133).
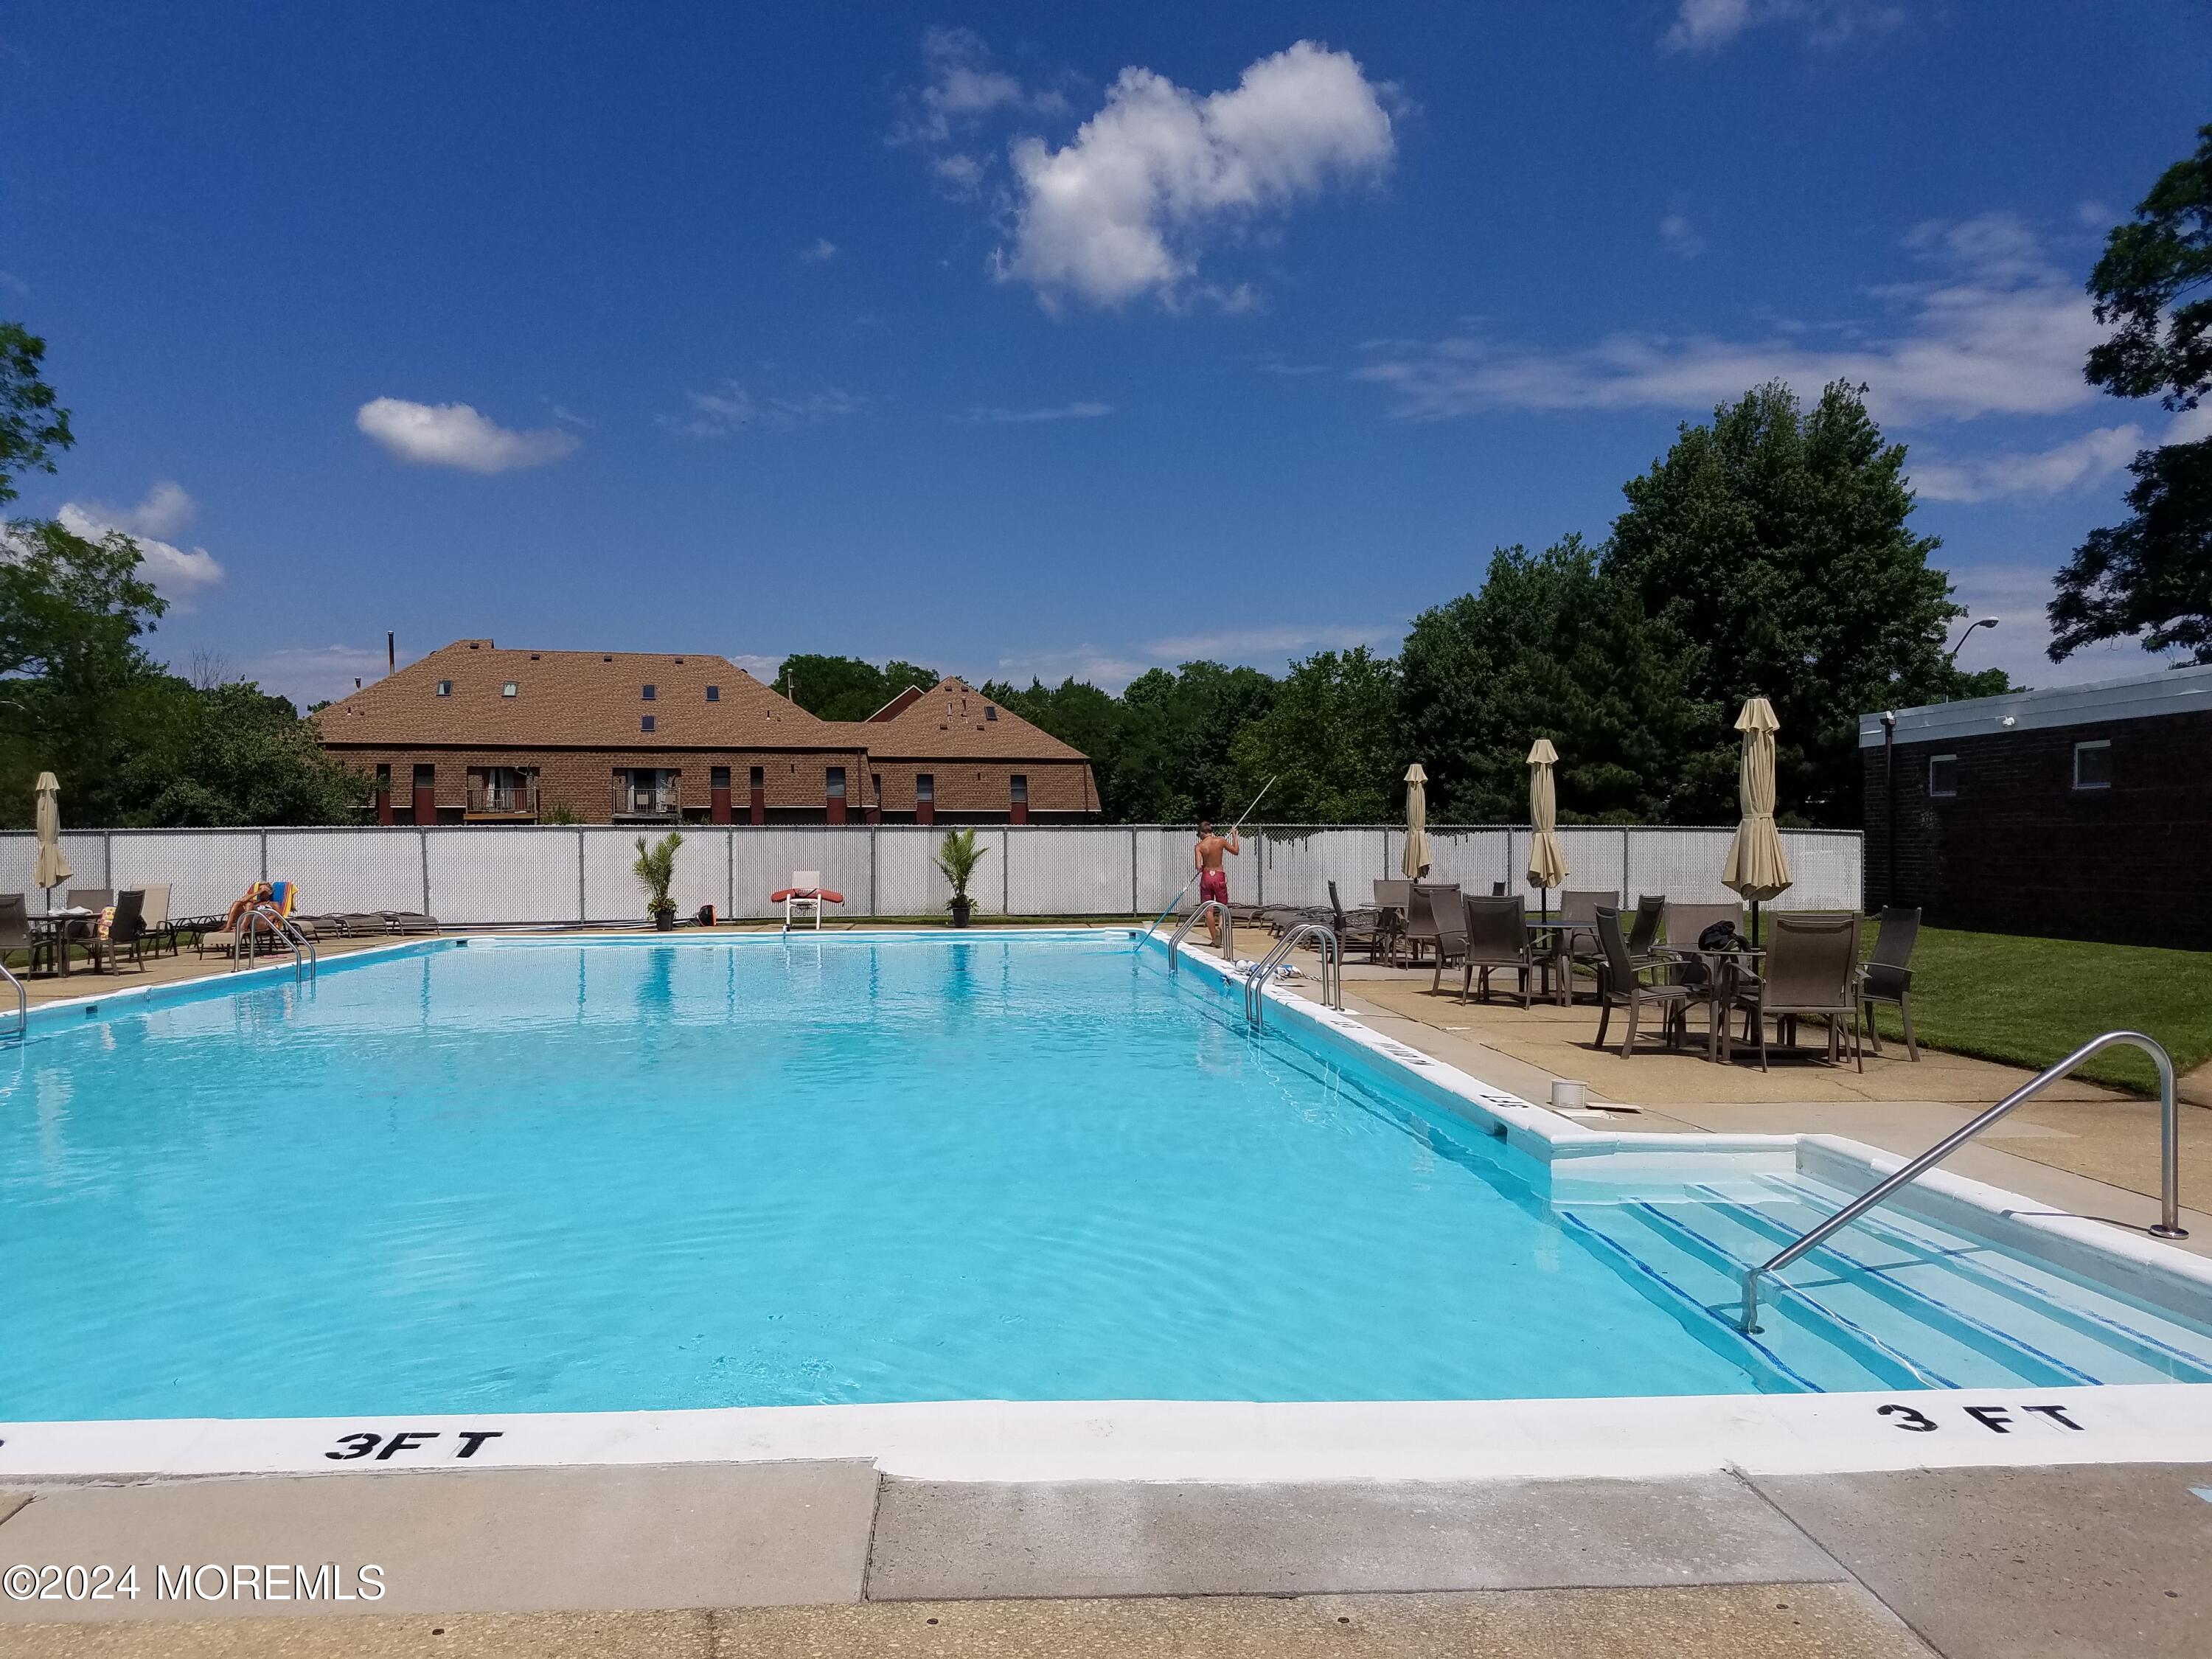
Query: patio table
(1554,976)
(55,928)
(1723,974)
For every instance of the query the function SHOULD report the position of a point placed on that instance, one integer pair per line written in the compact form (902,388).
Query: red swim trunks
(1213,884)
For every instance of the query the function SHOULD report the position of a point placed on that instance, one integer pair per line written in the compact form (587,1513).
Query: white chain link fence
(483,875)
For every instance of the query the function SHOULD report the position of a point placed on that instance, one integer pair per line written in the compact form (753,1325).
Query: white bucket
(1569,1096)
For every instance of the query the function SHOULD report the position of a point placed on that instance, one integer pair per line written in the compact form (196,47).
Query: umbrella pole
(1754,924)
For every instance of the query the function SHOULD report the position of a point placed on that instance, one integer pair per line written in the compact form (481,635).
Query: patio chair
(1356,930)
(126,929)
(15,932)
(1685,923)
(1627,982)
(1439,919)
(1421,920)
(1578,907)
(1887,974)
(1393,905)
(805,897)
(160,928)
(1497,937)
(1811,972)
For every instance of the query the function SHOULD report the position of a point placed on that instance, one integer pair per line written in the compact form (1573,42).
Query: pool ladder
(2169,1220)
(1331,970)
(1228,930)
(22,1007)
(305,958)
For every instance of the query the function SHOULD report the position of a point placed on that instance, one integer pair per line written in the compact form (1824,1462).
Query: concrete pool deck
(833,1556)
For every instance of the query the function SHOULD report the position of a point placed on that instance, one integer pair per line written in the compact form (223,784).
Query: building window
(2092,765)
(876,787)
(1021,785)
(1942,774)
(508,689)
(990,712)
(650,692)
(756,777)
(645,722)
(836,783)
(713,693)
(925,788)
(719,778)
(445,687)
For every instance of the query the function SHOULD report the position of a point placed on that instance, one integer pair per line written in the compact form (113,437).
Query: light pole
(1979,622)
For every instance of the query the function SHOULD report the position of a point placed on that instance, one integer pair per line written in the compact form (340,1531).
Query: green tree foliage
(1776,542)
(1332,741)
(231,755)
(34,427)
(2151,577)
(846,688)
(1553,647)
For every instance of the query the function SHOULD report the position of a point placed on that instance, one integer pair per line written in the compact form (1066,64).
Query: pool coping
(1259,1442)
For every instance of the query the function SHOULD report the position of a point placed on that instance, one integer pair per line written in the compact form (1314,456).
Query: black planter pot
(664,920)
(961,909)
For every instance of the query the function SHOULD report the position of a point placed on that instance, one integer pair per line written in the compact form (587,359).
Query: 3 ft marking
(468,1442)
(1997,1419)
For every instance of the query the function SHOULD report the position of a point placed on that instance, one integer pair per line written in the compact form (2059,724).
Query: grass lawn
(2032,1001)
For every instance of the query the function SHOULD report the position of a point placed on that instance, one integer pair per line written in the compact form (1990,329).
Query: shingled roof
(952,721)
(574,700)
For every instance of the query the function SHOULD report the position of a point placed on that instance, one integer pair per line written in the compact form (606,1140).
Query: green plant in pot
(656,872)
(957,856)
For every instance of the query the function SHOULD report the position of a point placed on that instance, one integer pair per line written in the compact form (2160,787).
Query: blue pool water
(612,1176)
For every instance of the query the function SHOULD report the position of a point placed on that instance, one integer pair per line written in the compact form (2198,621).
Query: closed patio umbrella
(1415,864)
(1757,867)
(53,869)
(1548,865)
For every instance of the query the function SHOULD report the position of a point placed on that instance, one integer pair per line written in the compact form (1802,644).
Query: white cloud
(1112,667)
(732,408)
(1709,25)
(1998,331)
(1125,209)
(454,434)
(1077,411)
(167,510)
(177,574)
(1107,668)
(960,173)
(310,674)
(822,252)
(2076,464)
(2189,426)
(2016,595)
(1677,237)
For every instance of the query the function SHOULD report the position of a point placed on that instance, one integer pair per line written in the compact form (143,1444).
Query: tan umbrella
(53,869)
(1548,865)
(1415,864)
(1756,865)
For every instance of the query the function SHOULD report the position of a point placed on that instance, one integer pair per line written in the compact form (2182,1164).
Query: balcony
(641,803)
(514,803)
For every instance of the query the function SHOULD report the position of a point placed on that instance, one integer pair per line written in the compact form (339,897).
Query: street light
(1983,621)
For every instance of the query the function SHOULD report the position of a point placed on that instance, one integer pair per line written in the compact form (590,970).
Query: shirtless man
(1212,879)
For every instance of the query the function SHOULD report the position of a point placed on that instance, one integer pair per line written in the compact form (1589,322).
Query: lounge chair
(1811,971)
(805,897)
(1497,936)
(1630,983)
(126,928)
(1887,974)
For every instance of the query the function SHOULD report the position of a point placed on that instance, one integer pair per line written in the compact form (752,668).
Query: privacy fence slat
(533,875)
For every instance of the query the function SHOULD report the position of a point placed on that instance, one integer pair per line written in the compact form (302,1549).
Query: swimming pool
(556,1176)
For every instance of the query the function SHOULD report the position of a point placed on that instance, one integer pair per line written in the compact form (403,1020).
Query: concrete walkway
(826,1560)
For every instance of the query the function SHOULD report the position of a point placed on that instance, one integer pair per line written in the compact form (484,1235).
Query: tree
(2152,577)
(847,688)
(1776,542)
(229,755)
(1553,647)
(32,424)
(1330,740)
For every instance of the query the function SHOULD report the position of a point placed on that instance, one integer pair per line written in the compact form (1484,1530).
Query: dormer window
(651,691)
(445,687)
(713,693)
(508,689)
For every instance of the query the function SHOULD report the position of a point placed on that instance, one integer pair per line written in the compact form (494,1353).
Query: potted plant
(656,869)
(957,857)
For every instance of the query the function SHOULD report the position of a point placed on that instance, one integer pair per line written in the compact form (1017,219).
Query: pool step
(1891,1302)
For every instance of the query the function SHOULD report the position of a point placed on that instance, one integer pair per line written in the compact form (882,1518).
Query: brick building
(472,733)
(2082,811)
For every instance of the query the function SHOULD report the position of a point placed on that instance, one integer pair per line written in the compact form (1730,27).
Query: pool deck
(833,1556)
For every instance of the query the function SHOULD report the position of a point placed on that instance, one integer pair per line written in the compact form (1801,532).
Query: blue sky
(1021,339)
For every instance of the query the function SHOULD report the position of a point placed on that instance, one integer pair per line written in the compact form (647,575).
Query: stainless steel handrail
(1331,970)
(305,957)
(1228,930)
(2169,1224)
(22,1004)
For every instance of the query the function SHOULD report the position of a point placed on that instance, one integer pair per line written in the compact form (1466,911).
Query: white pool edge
(1264,1441)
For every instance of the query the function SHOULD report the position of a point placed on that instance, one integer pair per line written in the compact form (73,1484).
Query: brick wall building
(2083,811)
(472,733)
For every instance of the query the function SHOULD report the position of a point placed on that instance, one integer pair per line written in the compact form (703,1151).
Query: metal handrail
(1228,930)
(2169,1224)
(22,1005)
(306,958)
(1331,970)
